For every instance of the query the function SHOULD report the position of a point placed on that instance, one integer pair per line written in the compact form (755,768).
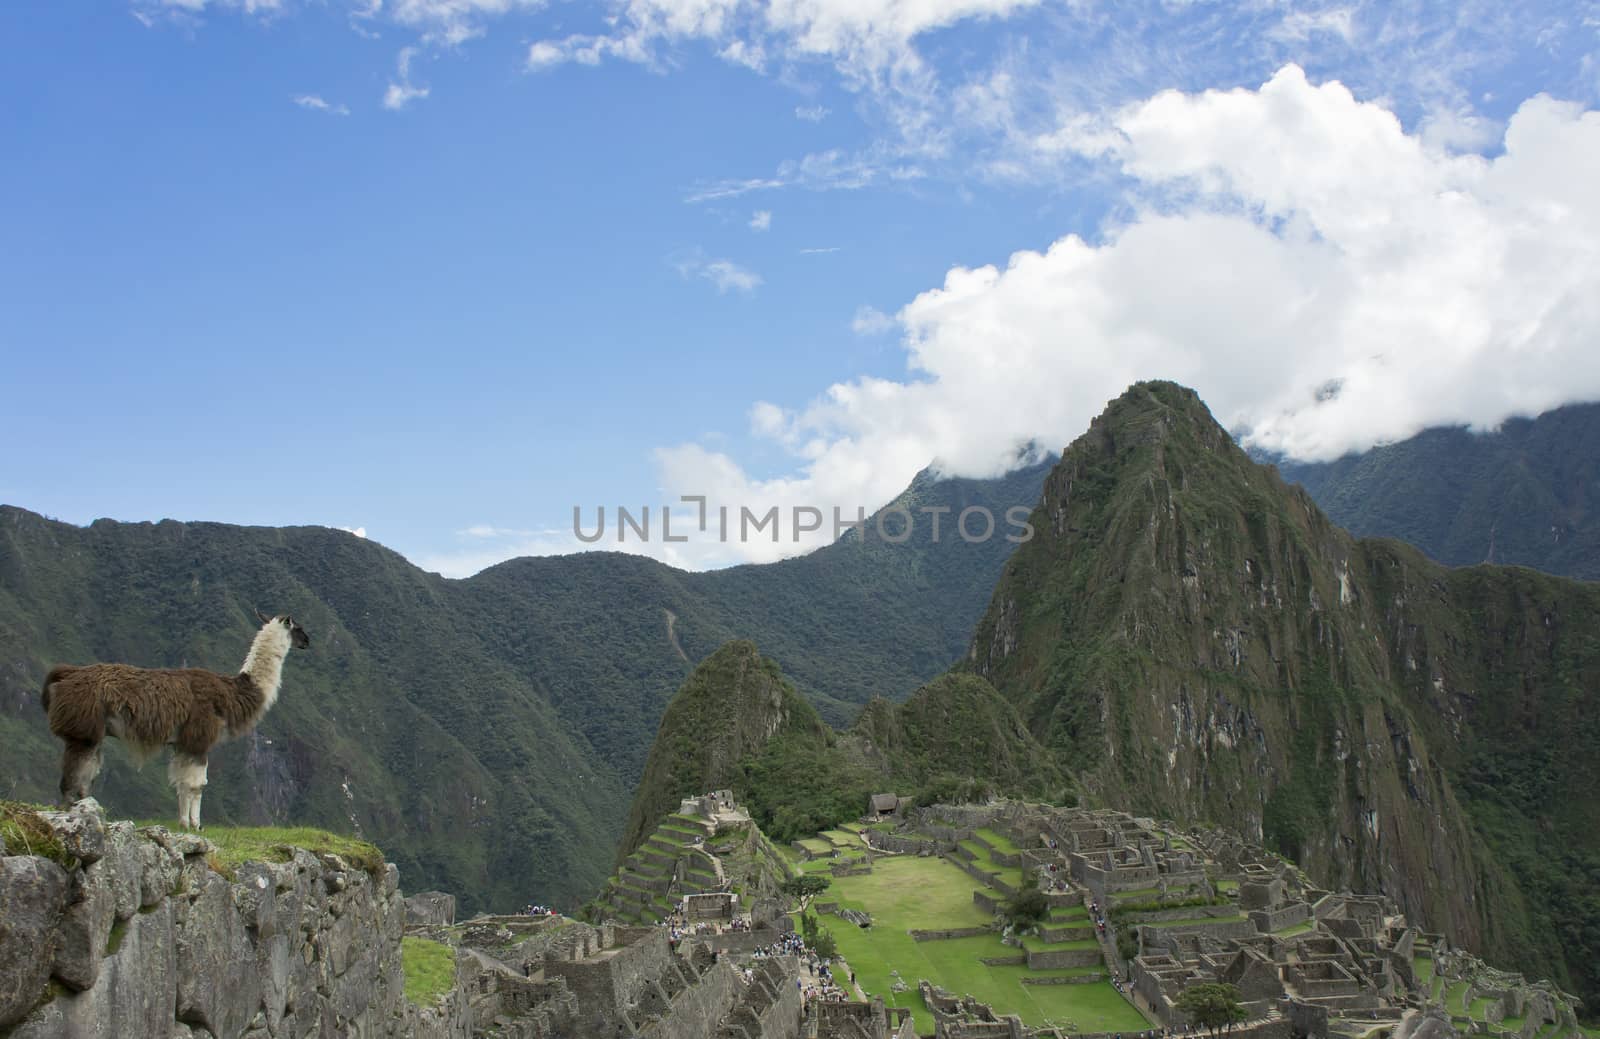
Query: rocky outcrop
(145,937)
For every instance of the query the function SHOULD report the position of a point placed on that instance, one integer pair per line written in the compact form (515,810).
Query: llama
(189,709)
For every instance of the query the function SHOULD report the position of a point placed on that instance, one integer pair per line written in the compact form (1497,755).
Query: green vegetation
(906,892)
(23,832)
(1212,1005)
(1027,908)
(237,845)
(430,969)
(804,889)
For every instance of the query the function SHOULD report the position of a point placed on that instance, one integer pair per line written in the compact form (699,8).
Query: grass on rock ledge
(24,832)
(430,969)
(237,845)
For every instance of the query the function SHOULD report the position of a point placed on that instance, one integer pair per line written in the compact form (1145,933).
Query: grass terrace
(815,845)
(1001,844)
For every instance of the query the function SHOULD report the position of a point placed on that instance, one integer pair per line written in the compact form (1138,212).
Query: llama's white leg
(188,776)
(199,790)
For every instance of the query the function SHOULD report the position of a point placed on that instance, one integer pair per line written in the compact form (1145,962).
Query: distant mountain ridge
(489,730)
(1527,494)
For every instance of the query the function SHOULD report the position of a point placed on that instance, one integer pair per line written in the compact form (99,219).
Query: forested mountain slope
(488,731)
(1527,494)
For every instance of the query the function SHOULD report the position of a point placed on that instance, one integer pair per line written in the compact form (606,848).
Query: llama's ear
(263,618)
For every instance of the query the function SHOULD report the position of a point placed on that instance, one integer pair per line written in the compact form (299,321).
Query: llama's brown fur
(189,709)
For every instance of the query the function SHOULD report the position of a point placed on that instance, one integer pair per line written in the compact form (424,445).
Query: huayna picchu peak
(1193,638)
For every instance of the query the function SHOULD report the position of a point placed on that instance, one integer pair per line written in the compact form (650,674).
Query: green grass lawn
(1479,1010)
(841,839)
(1512,1025)
(931,894)
(1304,927)
(815,845)
(1457,997)
(1422,967)
(430,969)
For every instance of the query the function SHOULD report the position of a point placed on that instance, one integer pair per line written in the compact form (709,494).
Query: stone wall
(144,938)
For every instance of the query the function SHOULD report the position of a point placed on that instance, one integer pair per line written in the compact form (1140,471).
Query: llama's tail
(57,672)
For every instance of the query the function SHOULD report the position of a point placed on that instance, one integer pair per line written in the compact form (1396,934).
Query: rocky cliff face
(1197,640)
(142,937)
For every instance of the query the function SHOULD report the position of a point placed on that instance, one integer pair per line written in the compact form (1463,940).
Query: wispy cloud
(811,113)
(316,104)
(724,274)
(831,170)
(401,90)
(870,321)
(761,220)
(820,250)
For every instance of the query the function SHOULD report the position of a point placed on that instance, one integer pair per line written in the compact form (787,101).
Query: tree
(804,888)
(817,938)
(1026,908)
(1212,1005)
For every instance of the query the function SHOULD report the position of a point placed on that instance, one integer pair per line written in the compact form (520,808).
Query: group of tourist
(534,909)
(1099,917)
(823,986)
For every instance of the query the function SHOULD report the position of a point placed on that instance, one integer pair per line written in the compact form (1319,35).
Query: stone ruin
(1206,906)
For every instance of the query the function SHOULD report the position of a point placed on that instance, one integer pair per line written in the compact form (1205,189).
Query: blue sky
(443,269)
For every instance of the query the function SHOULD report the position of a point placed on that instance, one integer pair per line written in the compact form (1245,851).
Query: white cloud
(360,532)
(1324,278)
(317,104)
(819,250)
(402,92)
(870,321)
(811,113)
(761,220)
(724,274)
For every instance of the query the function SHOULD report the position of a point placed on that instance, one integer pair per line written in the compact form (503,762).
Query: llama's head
(297,635)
